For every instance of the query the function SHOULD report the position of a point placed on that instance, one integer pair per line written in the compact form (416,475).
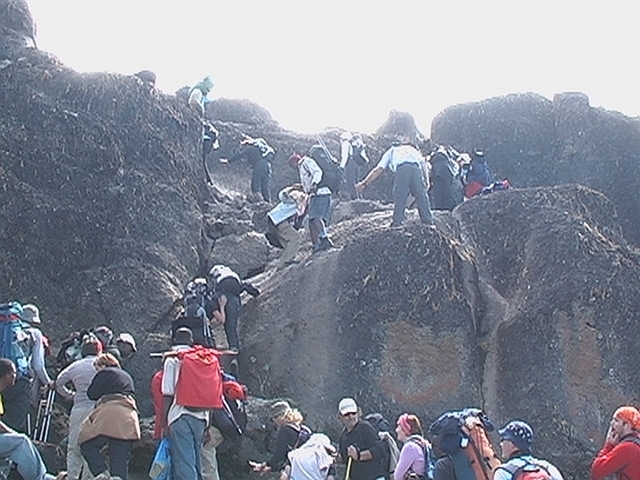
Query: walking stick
(346,475)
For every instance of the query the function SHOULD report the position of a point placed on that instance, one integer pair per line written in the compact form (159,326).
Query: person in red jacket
(620,454)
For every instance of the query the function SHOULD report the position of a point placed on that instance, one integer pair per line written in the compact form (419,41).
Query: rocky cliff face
(523,302)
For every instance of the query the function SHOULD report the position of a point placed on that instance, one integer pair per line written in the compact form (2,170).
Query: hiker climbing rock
(353,158)
(410,170)
(198,95)
(515,440)
(78,375)
(319,211)
(260,155)
(445,191)
(620,454)
(284,221)
(210,141)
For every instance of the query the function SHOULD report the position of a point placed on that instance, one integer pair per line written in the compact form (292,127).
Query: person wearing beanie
(78,376)
(411,462)
(359,443)
(198,94)
(291,434)
(515,440)
(620,454)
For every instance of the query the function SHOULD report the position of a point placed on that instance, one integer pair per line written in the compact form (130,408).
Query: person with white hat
(359,444)
(126,345)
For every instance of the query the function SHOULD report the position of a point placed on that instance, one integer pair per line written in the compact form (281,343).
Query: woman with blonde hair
(291,434)
(113,422)
(411,462)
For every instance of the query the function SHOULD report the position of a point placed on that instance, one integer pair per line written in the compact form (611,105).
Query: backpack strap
(632,439)
(516,470)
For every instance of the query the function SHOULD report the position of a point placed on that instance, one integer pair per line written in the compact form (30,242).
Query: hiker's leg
(209,461)
(75,460)
(401,183)
(19,449)
(91,453)
(290,238)
(185,439)
(119,452)
(266,182)
(231,311)
(419,190)
(351,173)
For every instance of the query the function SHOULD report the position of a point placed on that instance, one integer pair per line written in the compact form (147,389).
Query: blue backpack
(14,337)
(429,457)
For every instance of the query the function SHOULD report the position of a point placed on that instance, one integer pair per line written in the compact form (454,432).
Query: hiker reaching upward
(409,167)
(620,454)
(291,434)
(259,154)
(198,94)
(515,440)
(352,158)
(414,449)
(319,211)
(359,443)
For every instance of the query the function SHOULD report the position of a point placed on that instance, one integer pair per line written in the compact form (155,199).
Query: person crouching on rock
(113,422)
(284,220)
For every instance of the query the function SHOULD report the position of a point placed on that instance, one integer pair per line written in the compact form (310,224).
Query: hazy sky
(347,63)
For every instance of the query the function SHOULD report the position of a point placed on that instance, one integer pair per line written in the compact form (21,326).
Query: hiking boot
(323,244)
(396,227)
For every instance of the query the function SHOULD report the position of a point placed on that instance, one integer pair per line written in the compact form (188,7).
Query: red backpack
(200,379)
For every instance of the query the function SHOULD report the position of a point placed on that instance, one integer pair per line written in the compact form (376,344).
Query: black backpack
(381,424)
(332,176)
(194,316)
(357,150)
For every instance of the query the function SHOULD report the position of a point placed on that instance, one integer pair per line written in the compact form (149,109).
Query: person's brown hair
(106,360)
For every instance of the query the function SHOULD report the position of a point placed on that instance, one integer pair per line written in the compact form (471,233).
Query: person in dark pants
(114,421)
(409,167)
(352,158)
(260,155)
(444,175)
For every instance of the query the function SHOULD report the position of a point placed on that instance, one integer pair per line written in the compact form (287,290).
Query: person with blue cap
(515,440)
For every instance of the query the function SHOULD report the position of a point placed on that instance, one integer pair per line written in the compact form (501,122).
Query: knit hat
(279,408)
(629,414)
(30,314)
(519,433)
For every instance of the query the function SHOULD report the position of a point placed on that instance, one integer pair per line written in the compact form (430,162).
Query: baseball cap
(127,338)
(347,405)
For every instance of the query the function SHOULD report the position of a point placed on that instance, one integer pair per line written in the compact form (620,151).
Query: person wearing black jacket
(359,443)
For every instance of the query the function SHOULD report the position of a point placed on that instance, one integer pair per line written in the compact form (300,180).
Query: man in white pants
(79,374)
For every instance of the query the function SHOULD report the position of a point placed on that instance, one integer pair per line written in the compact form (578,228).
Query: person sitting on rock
(15,446)
(284,220)
(409,167)
(515,440)
(319,211)
(620,454)
(476,174)
(260,155)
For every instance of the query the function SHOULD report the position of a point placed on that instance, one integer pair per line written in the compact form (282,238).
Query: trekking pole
(51,396)
(348,472)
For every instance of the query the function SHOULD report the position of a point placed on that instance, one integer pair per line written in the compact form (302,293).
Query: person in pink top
(620,454)
(411,462)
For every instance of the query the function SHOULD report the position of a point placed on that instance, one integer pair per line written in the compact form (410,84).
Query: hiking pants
(408,179)
(209,461)
(351,177)
(16,400)
(261,179)
(119,451)
(232,312)
(19,449)
(290,239)
(185,445)
(75,461)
